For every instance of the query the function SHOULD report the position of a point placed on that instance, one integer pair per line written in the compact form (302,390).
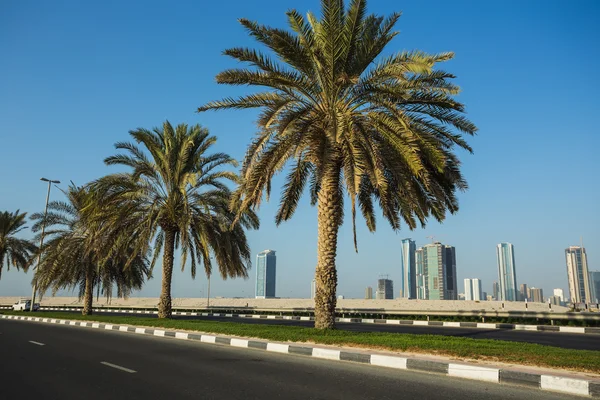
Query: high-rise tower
(266,262)
(436,272)
(577,273)
(507,275)
(408,279)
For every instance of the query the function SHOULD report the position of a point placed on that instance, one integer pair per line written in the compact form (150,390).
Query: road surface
(61,362)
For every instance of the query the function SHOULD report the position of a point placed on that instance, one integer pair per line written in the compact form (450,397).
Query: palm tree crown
(351,125)
(178,198)
(14,251)
(83,251)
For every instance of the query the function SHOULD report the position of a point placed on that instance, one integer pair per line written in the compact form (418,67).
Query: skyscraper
(385,289)
(468,289)
(408,279)
(495,290)
(506,272)
(368,293)
(313,288)
(420,273)
(473,290)
(577,272)
(523,292)
(595,285)
(436,272)
(265,274)
(537,295)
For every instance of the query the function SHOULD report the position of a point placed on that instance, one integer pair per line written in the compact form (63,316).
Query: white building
(577,271)
(560,293)
(313,289)
(473,289)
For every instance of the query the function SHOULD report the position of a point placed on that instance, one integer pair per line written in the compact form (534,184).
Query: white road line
(38,343)
(117,367)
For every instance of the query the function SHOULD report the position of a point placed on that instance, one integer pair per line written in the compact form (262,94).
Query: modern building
(266,263)
(421,274)
(595,286)
(555,300)
(436,272)
(408,279)
(385,289)
(484,296)
(473,290)
(506,272)
(313,289)
(537,295)
(560,294)
(523,292)
(369,293)
(468,289)
(495,290)
(580,289)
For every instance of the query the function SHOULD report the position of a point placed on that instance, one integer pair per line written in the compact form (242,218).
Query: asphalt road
(564,340)
(61,362)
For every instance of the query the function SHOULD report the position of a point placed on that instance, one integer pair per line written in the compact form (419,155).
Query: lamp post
(50,182)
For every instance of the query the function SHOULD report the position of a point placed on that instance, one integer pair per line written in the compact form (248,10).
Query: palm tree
(178,198)
(83,251)
(352,125)
(14,251)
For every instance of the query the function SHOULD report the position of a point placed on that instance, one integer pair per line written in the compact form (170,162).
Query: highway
(61,362)
(564,340)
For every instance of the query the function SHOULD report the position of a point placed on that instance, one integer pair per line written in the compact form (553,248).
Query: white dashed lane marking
(117,367)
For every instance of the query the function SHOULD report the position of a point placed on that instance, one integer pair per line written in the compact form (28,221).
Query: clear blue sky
(76,76)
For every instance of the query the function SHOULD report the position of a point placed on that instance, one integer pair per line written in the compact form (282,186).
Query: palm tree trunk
(88,295)
(329,216)
(164,304)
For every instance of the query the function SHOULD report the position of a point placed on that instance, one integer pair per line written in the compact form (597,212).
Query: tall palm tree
(83,251)
(14,251)
(352,125)
(177,198)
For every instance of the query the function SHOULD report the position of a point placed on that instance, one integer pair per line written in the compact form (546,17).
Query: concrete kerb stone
(546,382)
(479,325)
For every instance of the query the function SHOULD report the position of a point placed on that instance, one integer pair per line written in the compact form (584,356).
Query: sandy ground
(392,305)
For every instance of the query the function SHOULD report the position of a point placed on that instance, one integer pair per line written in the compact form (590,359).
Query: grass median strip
(460,347)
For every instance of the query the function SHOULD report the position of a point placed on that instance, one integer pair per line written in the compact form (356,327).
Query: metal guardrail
(348,312)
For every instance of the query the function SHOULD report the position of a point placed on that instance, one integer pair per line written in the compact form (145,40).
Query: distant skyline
(77,76)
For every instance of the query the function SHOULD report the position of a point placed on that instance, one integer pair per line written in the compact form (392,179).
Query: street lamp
(50,182)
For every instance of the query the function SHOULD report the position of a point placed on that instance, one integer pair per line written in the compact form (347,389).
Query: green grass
(459,347)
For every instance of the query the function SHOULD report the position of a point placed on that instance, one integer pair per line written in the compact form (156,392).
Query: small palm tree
(14,251)
(352,126)
(83,251)
(177,198)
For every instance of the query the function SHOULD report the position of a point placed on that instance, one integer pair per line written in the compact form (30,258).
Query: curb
(546,382)
(447,324)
